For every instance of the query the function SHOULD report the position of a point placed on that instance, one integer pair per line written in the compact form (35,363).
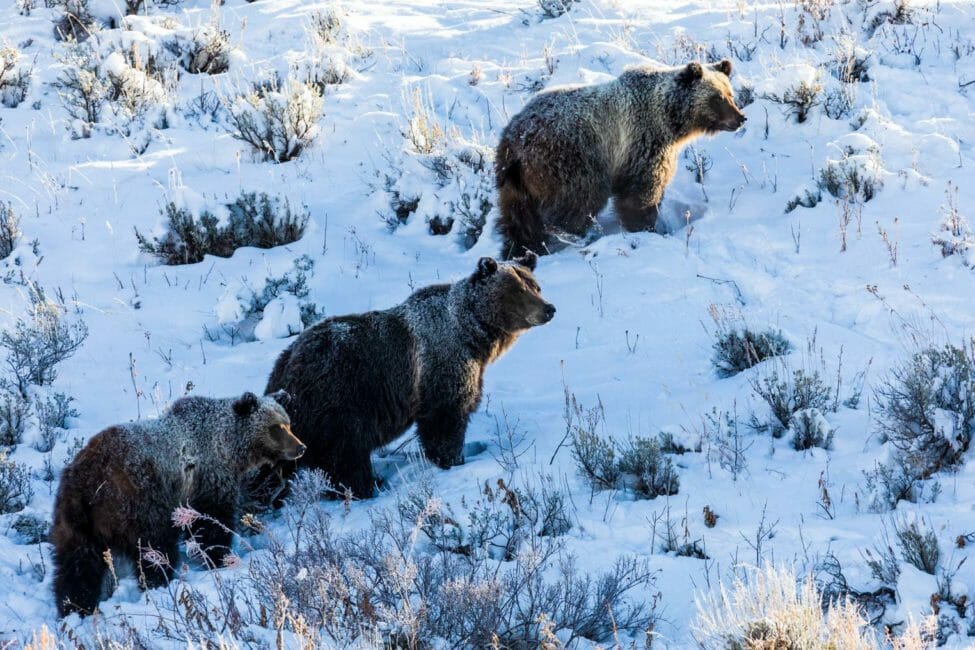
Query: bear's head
(507,296)
(710,100)
(271,440)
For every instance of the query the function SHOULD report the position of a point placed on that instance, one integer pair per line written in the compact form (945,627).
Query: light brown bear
(572,148)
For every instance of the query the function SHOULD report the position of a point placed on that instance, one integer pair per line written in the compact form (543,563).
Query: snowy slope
(910,125)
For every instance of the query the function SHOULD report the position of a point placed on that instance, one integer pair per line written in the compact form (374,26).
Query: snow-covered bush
(37,345)
(926,409)
(9,230)
(206,51)
(954,238)
(379,583)
(805,197)
(76,22)
(799,89)
(857,176)
(81,89)
(774,609)
(651,473)
(53,413)
(277,309)
(254,219)
(30,529)
(918,543)
(278,123)
(738,349)
(639,465)
(16,489)
(14,411)
(14,77)
(810,429)
(787,393)
(554,8)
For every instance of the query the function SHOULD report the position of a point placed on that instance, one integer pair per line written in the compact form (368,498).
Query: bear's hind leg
(78,580)
(349,463)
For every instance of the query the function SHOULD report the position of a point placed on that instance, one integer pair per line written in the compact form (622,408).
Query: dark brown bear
(572,148)
(120,491)
(357,382)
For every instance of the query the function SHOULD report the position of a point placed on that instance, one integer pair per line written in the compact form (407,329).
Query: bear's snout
(548,312)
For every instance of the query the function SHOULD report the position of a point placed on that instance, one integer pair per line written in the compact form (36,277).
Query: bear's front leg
(441,435)
(215,531)
(634,215)
(157,557)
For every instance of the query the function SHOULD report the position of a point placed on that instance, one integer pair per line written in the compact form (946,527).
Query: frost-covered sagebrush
(254,219)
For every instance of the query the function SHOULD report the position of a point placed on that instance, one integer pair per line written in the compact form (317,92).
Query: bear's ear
(691,73)
(529,260)
(282,397)
(245,404)
(723,66)
(485,267)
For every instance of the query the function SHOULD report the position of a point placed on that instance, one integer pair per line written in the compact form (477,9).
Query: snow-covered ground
(855,286)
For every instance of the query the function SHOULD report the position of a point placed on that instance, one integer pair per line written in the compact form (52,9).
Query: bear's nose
(300,451)
(549,312)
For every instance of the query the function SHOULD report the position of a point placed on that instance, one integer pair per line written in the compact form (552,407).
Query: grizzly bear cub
(120,491)
(571,148)
(357,382)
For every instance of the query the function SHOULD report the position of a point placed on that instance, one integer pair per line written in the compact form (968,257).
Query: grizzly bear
(357,382)
(120,491)
(571,148)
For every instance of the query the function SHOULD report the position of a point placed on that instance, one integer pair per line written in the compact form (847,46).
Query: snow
(633,330)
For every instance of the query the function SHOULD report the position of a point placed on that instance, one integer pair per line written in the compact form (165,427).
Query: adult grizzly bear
(572,148)
(120,491)
(357,382)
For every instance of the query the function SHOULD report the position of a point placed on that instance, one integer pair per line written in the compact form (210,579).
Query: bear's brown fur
(120,491)
(359,381)
(570,149)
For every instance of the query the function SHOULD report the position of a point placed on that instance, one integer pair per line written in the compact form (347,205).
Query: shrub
(279,308)
(36,346)
(554,8)
(30,529)
(855,177)
(926,408)
(76,22)
(955,237)
(772,609)
(839,101)
(277,123)
(255,220)
(82,91)
(786,395)
(378,586)
(653,471)
(52,417)
(736,349)
(805,198)
(596,460)
(9,230)
(799,99)
(14,78)
(14,411)
(16,490)
(810,429)
(207,51)
(918,543)
(639,465)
